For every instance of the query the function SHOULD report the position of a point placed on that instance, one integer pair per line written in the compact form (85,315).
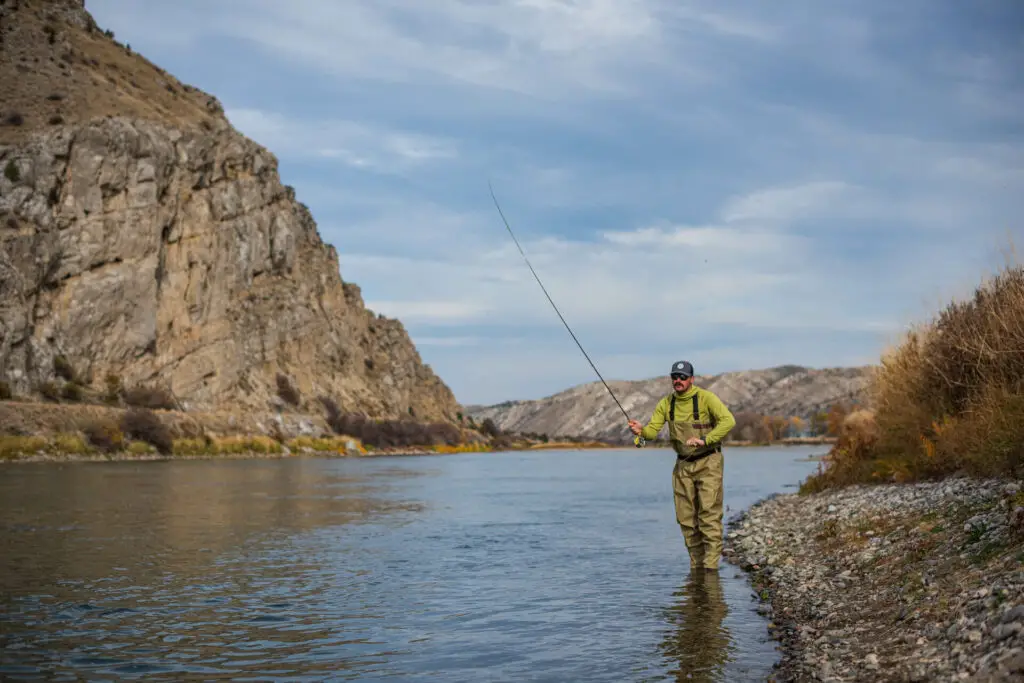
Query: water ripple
(461,568)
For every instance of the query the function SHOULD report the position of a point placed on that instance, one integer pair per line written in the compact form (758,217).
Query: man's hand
(635,427)
(695,441)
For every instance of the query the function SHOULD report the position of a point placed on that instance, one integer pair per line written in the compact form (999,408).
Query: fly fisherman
(697,423)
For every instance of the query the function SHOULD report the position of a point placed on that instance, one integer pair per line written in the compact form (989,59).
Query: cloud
(354,143)
(780,204)
(747,185)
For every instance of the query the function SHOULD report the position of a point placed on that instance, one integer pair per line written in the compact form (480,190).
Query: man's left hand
(695,441)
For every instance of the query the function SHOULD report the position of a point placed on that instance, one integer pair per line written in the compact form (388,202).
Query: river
(540,566)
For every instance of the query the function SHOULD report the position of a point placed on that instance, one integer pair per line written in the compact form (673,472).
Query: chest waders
(680,431)
(697,484)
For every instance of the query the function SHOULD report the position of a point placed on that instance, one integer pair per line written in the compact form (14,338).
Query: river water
(540,566)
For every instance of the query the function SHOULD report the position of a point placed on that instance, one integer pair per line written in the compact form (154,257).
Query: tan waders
(697,487)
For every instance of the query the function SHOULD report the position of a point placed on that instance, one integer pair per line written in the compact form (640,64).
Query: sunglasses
(678,376)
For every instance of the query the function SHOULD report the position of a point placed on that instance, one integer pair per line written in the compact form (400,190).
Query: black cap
(682,367)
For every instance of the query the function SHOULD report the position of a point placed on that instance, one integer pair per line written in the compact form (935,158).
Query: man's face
(681,383)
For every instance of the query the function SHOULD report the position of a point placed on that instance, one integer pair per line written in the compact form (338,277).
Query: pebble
(936,567)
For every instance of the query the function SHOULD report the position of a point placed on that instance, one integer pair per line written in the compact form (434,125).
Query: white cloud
(354,143)
(781,204)
(420,311)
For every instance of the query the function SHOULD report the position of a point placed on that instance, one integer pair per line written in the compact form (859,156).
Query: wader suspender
(672,409)
(696,417)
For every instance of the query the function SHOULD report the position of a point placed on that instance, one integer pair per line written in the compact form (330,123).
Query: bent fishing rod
(639,441)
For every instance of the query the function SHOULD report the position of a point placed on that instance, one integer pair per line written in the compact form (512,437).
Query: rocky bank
(921,582)
(142,236)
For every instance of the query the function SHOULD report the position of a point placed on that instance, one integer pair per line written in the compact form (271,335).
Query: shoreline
(904,582)
(127,456)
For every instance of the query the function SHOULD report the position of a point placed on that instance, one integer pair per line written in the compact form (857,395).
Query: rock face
(587,410)
(165,250)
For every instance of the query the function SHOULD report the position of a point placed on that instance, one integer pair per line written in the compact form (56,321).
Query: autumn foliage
(948,400)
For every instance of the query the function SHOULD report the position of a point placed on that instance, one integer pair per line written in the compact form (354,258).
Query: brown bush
(6,393)
(400,433)
(113,389)
(72,391)
(287,392)
(153,398)
(334,416)
(489,428)
(62,368)
(105,435)
(145,425)
(50,391)
(949,399)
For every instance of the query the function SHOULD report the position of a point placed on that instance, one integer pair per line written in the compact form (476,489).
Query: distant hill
(588,411)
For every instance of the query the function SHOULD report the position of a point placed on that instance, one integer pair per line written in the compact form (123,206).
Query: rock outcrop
(588,411)
(142,236)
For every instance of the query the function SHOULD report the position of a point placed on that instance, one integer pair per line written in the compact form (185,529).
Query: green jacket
(712,424)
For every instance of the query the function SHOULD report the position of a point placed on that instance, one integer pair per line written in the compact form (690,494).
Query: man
(697,423)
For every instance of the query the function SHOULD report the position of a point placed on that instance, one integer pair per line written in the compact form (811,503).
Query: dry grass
(23,418)
(949,400)
(57,72)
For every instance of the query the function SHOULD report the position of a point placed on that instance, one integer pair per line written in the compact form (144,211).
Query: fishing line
(640,440)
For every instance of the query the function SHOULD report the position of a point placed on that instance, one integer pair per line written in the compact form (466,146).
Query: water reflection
(185,567)
(698,646)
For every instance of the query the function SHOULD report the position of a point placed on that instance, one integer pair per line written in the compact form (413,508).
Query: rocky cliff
(142,236)
(587,410)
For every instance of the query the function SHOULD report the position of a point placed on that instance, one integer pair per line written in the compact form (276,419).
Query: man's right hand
(635,427)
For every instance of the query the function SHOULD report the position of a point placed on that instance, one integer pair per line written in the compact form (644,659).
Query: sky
(737,184)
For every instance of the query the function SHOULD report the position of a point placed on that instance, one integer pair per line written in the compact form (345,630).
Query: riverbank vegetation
(948,400)
(147,427)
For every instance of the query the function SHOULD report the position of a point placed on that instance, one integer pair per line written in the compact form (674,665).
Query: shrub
(11,171)
(400,433)
(153,398)
(14,446)
(139,448)
(49,391)
(72,391)
(104,434)
(15,119)
(489,428)
(112,395)
(63,368)
(145,425)
(334,416)
(69,444)
(6,393)
(287,392)
(949,399)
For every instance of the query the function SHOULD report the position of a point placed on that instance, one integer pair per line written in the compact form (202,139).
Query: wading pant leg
(685,495)
(708,485)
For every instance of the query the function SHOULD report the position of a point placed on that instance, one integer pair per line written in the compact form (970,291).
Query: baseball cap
(682,367)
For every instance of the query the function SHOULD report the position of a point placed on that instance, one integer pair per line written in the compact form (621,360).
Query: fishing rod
(638,440)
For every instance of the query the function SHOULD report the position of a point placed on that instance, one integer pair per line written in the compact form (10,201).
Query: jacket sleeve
(657,421)
(724,421)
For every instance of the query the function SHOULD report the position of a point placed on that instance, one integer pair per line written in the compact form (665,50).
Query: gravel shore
(901,582)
